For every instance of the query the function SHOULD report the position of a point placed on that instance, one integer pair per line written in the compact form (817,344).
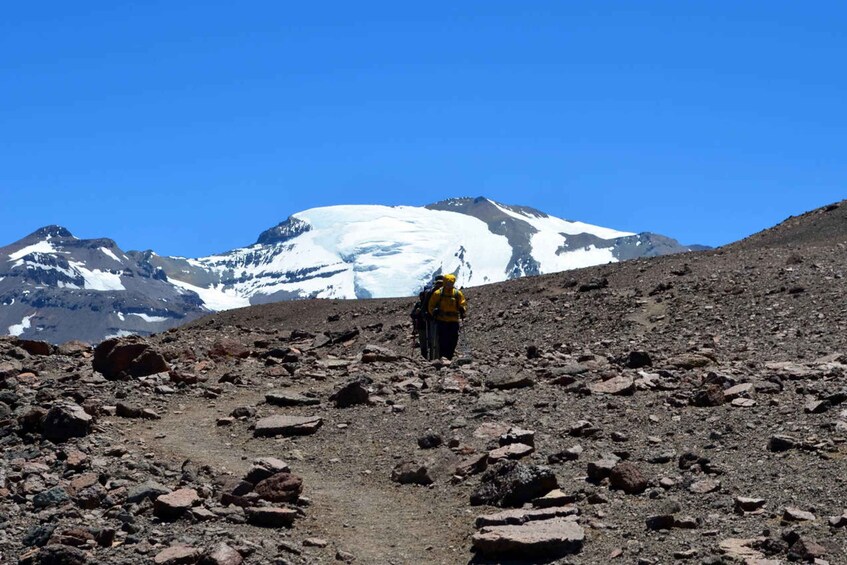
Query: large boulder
(511,484)
(127,357)
(64,421)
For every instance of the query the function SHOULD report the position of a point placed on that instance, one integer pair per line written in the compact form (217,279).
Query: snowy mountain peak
(54,286)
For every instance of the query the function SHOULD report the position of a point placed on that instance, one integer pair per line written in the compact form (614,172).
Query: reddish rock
(627,477)
(222,554)
(228,347)
(74,348)
(620,385)
(175,504)
(282,487)
(132,356)
(287,425)
(411,472)
(177,555)
(271,517)
(34,347)
(549,538)
(511,451)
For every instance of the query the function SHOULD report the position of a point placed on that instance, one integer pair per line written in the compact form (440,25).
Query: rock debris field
(688,408)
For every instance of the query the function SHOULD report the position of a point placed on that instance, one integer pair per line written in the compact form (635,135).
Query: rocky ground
(687,408)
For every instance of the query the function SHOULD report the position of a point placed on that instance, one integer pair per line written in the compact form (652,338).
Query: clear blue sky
(189,127)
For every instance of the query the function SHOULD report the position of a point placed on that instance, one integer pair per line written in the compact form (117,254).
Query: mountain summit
(56,287)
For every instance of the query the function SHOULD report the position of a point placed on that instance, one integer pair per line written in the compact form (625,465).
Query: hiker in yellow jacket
(447,306)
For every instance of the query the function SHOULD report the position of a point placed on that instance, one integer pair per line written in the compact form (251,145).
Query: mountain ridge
(90,289)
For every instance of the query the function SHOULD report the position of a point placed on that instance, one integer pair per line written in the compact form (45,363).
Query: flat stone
(505,379)
(491,430)
(556,497)
(736,391)
(315,542)
(287,425)
(472,464)
(511,451)
(743,402)
(520,516)
(176,503)
(792,514)
(549,538)
(620,385)
(177,555)
(287,398)
(271,517)
(749,505)
(705,486)
(150,489)
(518,435)
(741,548)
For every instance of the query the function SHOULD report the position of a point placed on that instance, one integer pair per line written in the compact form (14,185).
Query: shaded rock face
(512,484)
(66,421)
(127,357)
(282,487)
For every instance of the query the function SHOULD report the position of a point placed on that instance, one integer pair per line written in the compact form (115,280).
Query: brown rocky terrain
(687,408)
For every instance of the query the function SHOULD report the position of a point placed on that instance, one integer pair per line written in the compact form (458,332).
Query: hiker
(422,323)
(447,305)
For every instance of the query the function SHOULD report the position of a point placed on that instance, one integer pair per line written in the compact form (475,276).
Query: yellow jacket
(446,307)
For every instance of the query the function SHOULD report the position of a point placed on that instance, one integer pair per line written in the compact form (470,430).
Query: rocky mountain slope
(687,408)
(56,287)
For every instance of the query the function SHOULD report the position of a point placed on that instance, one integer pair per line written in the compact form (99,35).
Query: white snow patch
(40,247)
(215,298)
(121,333)
(18,329)
(148,318)
(108,252)
(121,316)
(97,279)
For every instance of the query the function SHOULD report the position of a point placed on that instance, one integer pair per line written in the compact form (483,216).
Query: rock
(132,356)
(838,521)
(817,406)
(517,435)
(287,425)
(741,549)
(512,484)
(709,396)
(806,550)
(472,465)
(511,451)
(594,284)
(521,516)
(222,554)
(550,538)
(149,490)
(744,505)
(555,497)
(34,347)
(601,469)
(778,443)
(51,497)
(351,394)
(689,361)
(177,555)
(627,477)
(315,542)
(792,514)
(506,379)
(569,454)
(660,522)
(56,554)
(737,391)
(411,473)
(64,421)
(286,398)
(705,486)
(282,487)
(265,467)
(376,354)
(491,430)
(270,517)
(228,347)
(620,385)
(73,348)
(39,535)
(429,440)
(175,504)
(638,360)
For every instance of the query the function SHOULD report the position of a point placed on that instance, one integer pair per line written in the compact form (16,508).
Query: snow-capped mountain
(56,287)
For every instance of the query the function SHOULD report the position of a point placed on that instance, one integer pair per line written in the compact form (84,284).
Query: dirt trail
(377,524)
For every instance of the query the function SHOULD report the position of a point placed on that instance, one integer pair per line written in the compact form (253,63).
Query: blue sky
(189,127)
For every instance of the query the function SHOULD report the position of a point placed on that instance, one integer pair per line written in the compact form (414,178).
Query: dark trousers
(448,337)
